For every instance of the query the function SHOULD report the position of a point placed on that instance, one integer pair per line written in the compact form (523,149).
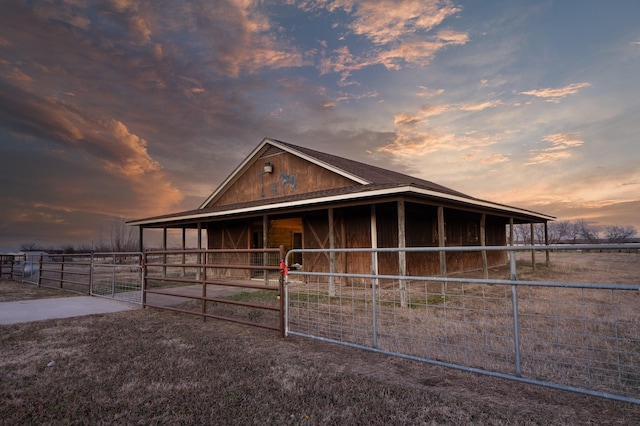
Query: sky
(122,109)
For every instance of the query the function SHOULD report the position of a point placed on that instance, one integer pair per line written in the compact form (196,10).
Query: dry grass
(158,367)
(13,291)
(588,339)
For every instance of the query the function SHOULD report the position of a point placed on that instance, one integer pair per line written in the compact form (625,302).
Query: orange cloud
(481,106)
(555,94)
(425,92)
(384,21)
(559,149)
(418,52)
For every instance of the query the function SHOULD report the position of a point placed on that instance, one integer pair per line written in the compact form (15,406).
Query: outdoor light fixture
(268,167)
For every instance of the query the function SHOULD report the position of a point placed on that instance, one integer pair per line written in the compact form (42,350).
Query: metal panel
(574,336)
(117,276)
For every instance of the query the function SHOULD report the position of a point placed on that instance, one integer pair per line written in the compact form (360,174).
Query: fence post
(62,271)
(113,277)
(204,287)
(283,272)
(143,265)
(39,269)
(514,304)
(374,271)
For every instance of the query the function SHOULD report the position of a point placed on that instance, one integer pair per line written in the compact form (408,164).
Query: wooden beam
(198,270)
(533,252)
(332,255)
(546,241)
(483,242)
(164,247)
(343,242)
(184,245)
(374,239)
(140,239)
(441,243)
(265,244)
(402,255)
(511,231)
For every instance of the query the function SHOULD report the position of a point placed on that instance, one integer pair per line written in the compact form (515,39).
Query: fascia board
(320,163)
(236,173)
(346,197)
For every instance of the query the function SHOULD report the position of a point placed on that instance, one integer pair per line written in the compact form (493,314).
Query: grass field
(159,367)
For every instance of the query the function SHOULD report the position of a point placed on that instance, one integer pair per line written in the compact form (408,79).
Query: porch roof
(368,193)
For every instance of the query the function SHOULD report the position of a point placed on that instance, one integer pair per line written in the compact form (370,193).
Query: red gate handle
(283,268)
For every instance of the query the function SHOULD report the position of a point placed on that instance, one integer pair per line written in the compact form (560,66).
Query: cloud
(418,52)
(554,95)
(99,140)
(560,149)
(491,159)
(384,21)
(397,31)
(426,92)
(479,106)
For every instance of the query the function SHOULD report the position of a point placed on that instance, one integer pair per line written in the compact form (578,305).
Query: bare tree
(586,233)
(560,231)
(123,237)
(30,247)
(538,233)
(619,234)
(522,233)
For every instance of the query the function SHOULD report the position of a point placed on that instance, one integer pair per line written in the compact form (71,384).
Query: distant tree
(522,234)
(538,233)
(560,231)
(30,247)
(585,233)
(67,249)
(619,234)
(84,248)
(123,237)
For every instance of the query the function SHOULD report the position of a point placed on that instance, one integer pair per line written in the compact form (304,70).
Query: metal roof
(370,182)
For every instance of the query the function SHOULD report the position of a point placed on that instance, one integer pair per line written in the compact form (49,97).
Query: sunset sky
(133,108)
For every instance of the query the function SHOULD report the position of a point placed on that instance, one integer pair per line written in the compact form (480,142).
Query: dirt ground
(159,367)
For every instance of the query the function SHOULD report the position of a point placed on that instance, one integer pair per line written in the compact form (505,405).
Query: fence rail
(70,272)
(241,286)
(561,333)
(117,276)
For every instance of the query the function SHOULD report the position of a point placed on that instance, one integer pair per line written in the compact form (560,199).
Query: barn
(284,194)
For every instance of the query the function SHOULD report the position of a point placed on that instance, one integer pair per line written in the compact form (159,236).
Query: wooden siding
(290,175)
(229,235)
(283,231)
(352,229)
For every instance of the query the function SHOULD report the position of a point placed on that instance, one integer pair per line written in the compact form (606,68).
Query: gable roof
(364,174)
(369,182)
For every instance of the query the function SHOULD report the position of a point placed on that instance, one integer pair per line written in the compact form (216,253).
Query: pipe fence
(238,285)
(117,275)
(526,322)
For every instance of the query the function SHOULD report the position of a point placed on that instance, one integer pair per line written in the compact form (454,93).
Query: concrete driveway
(60,307)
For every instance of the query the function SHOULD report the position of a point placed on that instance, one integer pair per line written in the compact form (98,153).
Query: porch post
(199,246)
(442,243)
(402,255)
(164,255)
(374,239)
(140,239)
(184,245)
(483,242)
(265,245)
(510,231)
(332,254)
(546,241)
(533,252)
